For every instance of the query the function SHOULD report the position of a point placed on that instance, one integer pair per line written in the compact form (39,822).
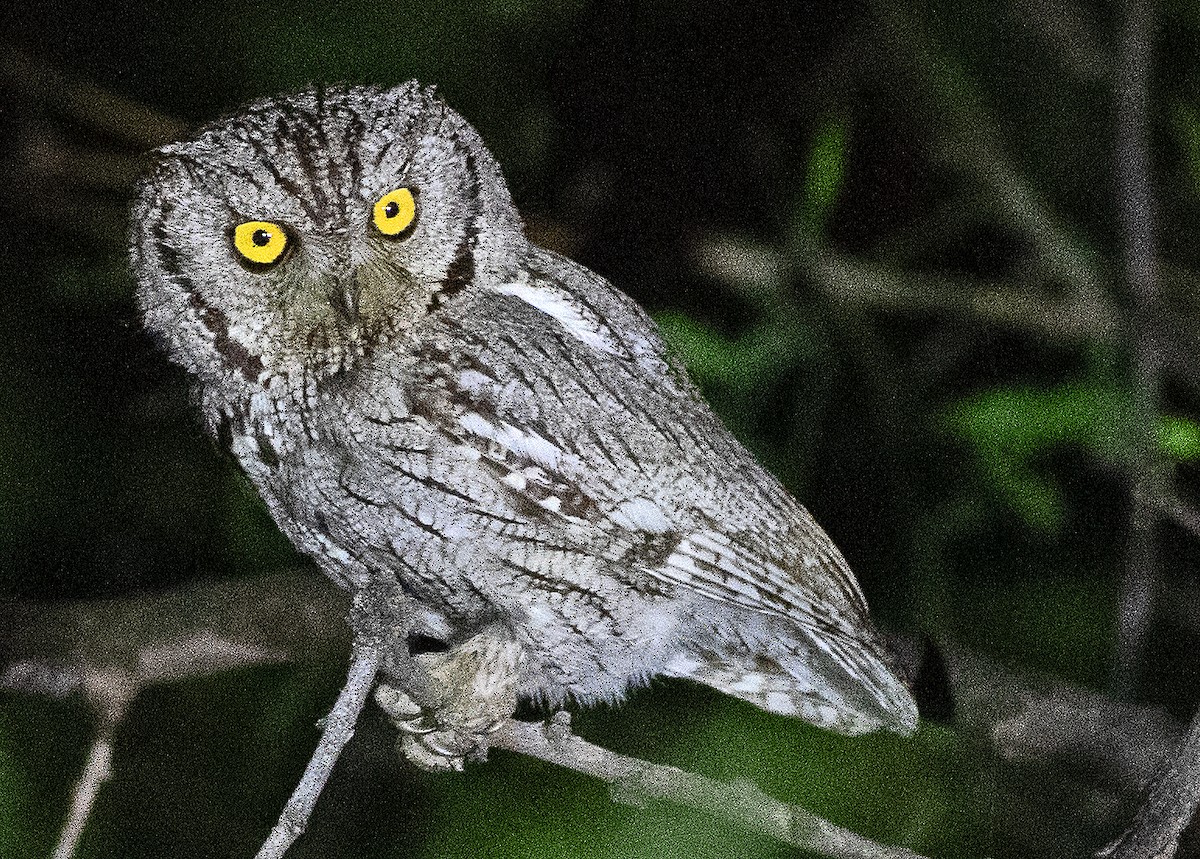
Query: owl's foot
(465,696)
(426,740)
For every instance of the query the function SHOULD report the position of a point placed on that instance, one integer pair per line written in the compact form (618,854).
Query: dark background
(958,414)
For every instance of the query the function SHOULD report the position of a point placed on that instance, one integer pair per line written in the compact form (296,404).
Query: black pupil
(392,209)
(261,238)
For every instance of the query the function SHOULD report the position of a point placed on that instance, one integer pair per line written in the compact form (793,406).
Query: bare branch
(1066,732)
(1183,514)
(112,649)
(201,629)
(742,802)
(231,624)
(1031,718)
(1135,201)
(96,771)
(753,268)
(1169,807)
(338,729)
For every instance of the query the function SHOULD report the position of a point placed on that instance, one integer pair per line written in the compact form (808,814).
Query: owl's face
(297,235)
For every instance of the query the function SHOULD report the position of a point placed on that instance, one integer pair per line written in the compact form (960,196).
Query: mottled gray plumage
(494,426)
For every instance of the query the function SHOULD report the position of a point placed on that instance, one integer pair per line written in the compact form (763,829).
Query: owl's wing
(662,530)
(562,391)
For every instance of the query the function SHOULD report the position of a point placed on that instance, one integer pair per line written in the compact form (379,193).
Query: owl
(424,398)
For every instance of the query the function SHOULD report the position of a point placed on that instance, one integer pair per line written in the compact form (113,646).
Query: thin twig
(752,268)
(928,83)
(1183,514)
(96,771)
(338,729)
(742,802)
(1140,581)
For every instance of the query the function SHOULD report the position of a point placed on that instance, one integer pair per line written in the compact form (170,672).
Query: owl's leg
(460,698)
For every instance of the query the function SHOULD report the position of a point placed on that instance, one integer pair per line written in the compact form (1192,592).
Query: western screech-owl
(420,393)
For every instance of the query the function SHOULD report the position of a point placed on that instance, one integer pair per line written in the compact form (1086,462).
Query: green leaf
(1179,438)
(1186,122)
(757,356)
(824,176)
(1008,428)
(14,835)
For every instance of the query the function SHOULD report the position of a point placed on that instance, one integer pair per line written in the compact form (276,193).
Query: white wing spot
(641,514)
(780,702)
(579,322)
(473,380)
(526,445)
(751,684)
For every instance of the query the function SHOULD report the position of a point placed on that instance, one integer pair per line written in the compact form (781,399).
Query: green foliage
(1179,438)
(250,536)
(1010,428)
(737,363)
(824,176)
(1060,624)
(14,835)
(1186,122)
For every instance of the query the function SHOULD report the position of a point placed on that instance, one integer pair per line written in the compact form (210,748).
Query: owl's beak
(343,297)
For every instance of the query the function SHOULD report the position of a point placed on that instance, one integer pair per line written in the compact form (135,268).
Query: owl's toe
(443,750)
(398,704)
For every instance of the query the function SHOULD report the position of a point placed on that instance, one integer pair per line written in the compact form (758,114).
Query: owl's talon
(418,726)
(440,748)
(443,750)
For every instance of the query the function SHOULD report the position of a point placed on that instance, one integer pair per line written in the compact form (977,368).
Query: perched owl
(422,396)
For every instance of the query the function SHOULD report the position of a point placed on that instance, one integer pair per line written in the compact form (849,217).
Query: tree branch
(53,649)
(337,731)
(96,771)
(741,802)
(1140,581)
(217,620)
(1169,806)
(753,268)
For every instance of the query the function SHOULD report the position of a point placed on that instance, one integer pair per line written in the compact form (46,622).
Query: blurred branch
(634,781)
(1183,514)
(1169,807)
(75,148)
(927,82)
(1174,794)
(33,80)
(96,771)
(1140,581)
(111,650)
(754,268)
(1031,718)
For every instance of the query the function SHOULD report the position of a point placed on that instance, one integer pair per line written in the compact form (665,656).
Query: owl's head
(298,234)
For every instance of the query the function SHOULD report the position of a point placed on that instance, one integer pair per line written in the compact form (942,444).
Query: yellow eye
(394,212)
(260,242)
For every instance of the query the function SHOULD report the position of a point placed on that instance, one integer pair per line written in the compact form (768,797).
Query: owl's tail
(838,683)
